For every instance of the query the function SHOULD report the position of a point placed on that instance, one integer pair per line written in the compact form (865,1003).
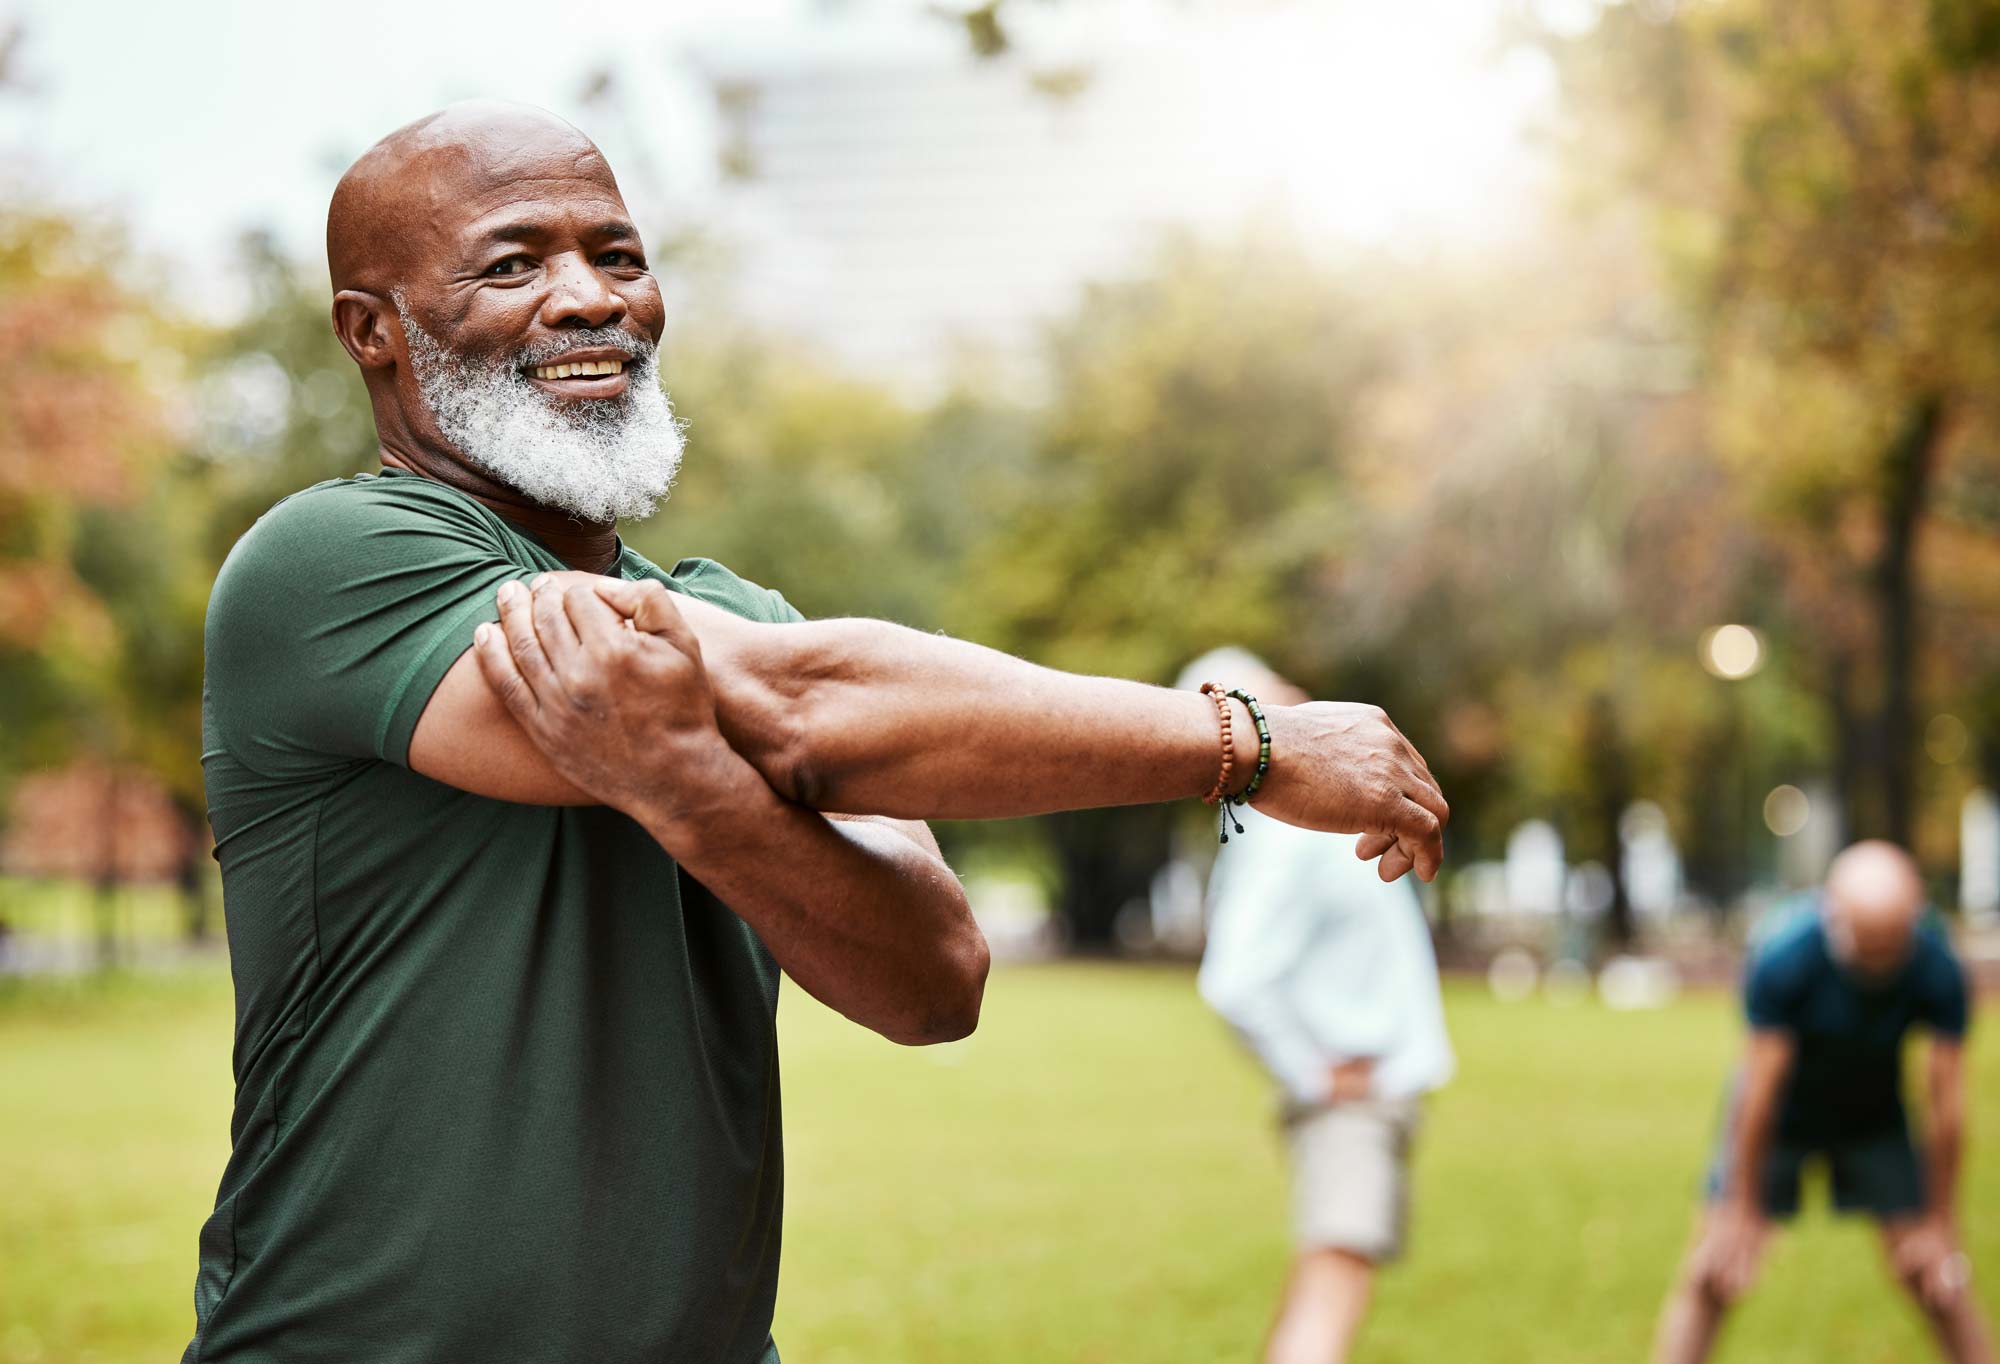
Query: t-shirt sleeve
(711,582)
(1945,1006)
(782,611)
(336,616)
(1770,994)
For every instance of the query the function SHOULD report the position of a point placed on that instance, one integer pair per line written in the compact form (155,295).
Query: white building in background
(900,202)
(1979,856)
(904,204)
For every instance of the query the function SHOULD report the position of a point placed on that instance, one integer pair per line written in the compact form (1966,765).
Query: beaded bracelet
(1213,690)
(1263,746)
(1220,796)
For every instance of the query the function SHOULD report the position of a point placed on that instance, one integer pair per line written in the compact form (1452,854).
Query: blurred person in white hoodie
(1329,976)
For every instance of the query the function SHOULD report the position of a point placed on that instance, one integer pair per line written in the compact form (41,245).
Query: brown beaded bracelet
(1217,693)
(1219,795)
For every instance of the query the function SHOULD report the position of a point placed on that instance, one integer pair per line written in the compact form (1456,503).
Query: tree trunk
(106,898)
(1611,791)
(1850,746)
(1107,859)
(1906,479)
(195,916)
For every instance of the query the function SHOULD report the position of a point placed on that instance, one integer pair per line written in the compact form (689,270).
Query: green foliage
(1821,177)
(84,372)
(849,501)
(1186,487)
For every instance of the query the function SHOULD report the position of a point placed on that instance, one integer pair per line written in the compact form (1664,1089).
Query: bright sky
(194,120)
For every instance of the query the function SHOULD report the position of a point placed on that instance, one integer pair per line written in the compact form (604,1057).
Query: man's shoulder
(1794,935)
(365,518)
(338,506)
(1786,961)
(1935,964)
(711,582)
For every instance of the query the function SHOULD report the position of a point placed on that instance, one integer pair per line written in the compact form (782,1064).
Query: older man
(1830,996)
(507,921)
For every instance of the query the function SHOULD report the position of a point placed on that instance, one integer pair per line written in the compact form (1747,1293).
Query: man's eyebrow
(529,231)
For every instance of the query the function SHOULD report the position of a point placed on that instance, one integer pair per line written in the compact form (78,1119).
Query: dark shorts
(1881,1174)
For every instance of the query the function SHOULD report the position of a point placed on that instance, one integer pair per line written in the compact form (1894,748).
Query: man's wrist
(710,797)
(1743,1203)
(1242,747)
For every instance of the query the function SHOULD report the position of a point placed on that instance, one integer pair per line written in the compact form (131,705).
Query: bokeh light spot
(1945,739)
(1732,651)
(1786,810)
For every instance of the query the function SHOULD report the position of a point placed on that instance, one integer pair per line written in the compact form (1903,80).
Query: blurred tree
(846,499)
(88,373)
(77,423)
(1823,185)
(279,405)
(1186,488)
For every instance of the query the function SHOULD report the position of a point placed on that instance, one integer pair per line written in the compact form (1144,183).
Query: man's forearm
(860,916)
(1750,1147)
(864,715)
(1946,1145)
(872,718)
(1766,1063)
(1944,1125)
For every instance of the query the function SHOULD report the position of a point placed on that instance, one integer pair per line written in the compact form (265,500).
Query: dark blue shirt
(1846,1078)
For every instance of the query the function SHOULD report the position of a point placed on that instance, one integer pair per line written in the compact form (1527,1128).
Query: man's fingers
(552,626)
(1420,833)
(594,619)
(623,594)
(1394,863)
(649,605)
(1371,846)
(1426,794)
(489,645)
(525,648)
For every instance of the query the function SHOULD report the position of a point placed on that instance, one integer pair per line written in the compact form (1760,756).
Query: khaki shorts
(1351,1176)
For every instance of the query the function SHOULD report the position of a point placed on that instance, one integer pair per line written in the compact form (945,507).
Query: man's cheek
(643,303)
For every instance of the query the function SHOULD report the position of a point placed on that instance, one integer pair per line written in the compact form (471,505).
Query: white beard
(601,459)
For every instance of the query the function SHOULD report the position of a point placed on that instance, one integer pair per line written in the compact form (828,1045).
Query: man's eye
(513,265)
(621,260)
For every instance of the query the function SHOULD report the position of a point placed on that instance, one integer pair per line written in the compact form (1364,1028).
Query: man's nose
(580,296)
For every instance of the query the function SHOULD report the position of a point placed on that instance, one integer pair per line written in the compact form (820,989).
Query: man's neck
(591,546)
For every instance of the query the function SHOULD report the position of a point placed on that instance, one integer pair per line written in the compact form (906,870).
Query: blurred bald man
(1830,997)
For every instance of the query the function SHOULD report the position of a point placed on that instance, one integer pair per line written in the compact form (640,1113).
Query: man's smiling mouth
(581,369)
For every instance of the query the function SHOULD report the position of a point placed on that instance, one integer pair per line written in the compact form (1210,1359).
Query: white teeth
(581,369)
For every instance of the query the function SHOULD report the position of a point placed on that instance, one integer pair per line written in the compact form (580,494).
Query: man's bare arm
(1944,1128)
(1767,1060)
(1737,1232)
(861,912)
(866,716)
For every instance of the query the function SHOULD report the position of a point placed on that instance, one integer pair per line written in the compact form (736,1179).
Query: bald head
(405,197)
(1874,899)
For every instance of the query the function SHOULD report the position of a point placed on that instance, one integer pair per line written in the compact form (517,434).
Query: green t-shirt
(506,1080)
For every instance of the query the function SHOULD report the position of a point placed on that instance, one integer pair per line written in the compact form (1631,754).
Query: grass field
(1091,1178)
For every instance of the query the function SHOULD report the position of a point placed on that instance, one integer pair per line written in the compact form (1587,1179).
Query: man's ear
(361,321)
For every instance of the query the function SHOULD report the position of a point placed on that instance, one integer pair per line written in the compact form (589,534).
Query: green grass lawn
(1090,1178)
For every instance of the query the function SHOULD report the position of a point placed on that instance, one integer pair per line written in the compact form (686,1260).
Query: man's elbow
(949,1010)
